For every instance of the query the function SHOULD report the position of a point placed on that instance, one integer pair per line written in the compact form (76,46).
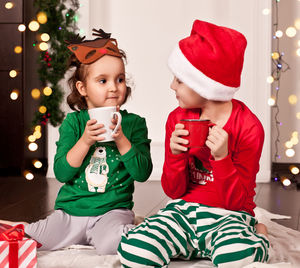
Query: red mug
(198,131)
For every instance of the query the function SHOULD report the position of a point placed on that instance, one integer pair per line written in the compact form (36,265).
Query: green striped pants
(191,230)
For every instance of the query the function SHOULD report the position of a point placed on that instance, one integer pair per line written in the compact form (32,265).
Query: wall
(148,30)
(289,84)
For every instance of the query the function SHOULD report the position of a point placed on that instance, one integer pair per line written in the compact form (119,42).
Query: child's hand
(176,140)
(217,142)
(121,140)
(119,133)
(91,132)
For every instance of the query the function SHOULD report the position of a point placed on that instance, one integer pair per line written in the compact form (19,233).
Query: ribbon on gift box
(12,234)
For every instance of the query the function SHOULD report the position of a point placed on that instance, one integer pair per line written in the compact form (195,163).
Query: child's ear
(81,88)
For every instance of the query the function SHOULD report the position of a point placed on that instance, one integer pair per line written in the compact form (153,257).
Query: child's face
(187,98)
(105,83)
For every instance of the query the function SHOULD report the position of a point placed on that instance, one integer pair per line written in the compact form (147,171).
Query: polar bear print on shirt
(97,170)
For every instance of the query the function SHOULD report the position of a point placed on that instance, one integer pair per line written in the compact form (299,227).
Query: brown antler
(101,34)
(75,39)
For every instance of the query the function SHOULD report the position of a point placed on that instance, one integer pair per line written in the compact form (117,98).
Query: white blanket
(284,252)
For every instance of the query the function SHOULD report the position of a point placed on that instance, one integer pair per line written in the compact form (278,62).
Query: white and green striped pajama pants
(190,230)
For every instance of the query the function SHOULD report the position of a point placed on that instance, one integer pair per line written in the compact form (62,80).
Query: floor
(25,200)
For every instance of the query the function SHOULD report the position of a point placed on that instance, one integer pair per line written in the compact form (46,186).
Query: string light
(285,181)
(266,11)
(14,95)
(37,134)
(270,79)
(278,34)
(9,5)
(294,170)
(33,26)
(47,91)
(43,46)
(297,24)
(42,17)
(37,163)
(18,49)
(279,66)
(21,28)
(290,152)
(271,101)
(28,175)
(45,37)
(291,32)
(293,99)
(42,109)
(13,73)
(275,55)
(288,144)
(31,138)
(35,93)
(33,146)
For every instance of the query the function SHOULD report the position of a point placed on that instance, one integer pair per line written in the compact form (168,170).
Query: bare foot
(138,220)
(13,223)
(261,229)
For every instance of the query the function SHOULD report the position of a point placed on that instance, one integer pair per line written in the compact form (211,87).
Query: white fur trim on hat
(196,80)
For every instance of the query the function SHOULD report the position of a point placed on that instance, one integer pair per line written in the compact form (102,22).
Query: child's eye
(121,80)
(102,81)
(178,81)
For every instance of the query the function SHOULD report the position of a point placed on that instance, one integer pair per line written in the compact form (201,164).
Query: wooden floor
(23,200)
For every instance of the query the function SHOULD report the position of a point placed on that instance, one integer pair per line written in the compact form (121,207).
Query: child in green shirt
(84,214)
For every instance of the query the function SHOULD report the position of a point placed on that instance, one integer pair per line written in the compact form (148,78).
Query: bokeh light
(279,34)
(47,91)
(43,46)
(290,152)
(28,175)
(42,17)
(270,79)
(37,163)
(35,93)
(18,49)
(45,37)
(293,99)
(9,5)
(42,109)
(266,11)
(21,28)
(291,31)
(33,146)
(33,26)
(14,95)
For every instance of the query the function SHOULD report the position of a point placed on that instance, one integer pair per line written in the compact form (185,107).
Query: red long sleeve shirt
(195,176)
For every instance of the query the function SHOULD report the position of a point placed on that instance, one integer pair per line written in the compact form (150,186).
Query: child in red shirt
(212,214)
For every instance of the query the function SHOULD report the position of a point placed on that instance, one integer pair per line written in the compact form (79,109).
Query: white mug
(104,115)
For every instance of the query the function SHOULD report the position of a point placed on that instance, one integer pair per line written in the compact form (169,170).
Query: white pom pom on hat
(210,60)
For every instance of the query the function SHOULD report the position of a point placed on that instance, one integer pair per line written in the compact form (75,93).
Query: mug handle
(211,124)
(118,123)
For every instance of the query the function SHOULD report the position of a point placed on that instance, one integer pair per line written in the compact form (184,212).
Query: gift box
(16,251)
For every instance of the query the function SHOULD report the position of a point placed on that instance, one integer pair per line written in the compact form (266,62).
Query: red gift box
(16,250)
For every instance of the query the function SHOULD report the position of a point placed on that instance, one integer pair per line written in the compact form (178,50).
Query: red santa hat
(210,60)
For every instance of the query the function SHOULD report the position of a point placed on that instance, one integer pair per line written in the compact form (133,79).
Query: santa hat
(210,60)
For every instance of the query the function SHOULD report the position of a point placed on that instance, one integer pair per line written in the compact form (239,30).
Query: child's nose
(173,85)
(113,87)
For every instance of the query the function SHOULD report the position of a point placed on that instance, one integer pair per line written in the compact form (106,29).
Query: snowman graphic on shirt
(97,170)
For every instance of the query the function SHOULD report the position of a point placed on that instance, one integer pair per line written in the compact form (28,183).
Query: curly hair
(75,100)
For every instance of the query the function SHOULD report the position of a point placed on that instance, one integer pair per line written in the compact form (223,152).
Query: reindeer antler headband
(89,51)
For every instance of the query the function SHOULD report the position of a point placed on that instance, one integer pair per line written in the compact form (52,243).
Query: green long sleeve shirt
(105,180)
